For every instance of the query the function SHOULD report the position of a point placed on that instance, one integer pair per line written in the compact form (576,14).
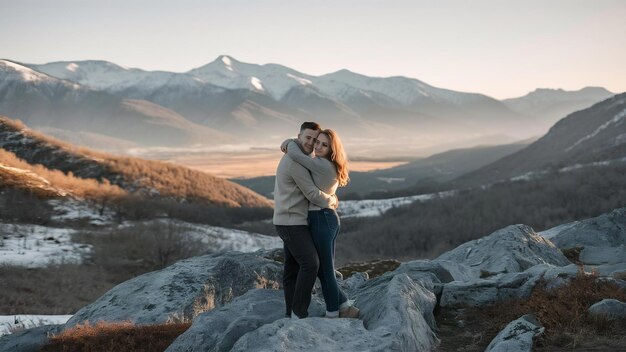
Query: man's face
(307,139)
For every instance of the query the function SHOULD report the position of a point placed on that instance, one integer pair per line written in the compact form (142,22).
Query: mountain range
(228,101)
(596,135)
(593,135)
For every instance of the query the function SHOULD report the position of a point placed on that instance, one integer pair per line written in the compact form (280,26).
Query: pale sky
(496,47)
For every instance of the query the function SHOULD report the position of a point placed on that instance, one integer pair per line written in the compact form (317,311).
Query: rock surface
(517,336)
(479,292)
(219,329)
(28,340)
(610,308)
(602,238)
(396,315)
(512,249)
(606,230)
(236,301)
(184,289)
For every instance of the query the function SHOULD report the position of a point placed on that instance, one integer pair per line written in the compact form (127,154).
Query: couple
(306,220)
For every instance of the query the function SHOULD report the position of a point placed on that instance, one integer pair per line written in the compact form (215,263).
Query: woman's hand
(283,146)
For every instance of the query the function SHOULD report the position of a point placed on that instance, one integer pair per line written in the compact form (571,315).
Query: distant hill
(596,134)
(150,178)
(550,105)
(437,168)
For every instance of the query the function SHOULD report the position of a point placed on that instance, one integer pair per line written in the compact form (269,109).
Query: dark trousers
(324,230)
(301,267)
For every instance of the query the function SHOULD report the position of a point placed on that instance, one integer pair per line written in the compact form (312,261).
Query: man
(293,190)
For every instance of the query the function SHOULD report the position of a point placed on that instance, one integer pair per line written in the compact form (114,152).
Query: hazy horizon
(501,49)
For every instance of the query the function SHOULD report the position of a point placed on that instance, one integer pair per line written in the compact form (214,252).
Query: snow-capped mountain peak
(227,72)
(228,62)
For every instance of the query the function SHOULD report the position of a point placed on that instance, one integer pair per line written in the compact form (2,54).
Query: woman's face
(322,146)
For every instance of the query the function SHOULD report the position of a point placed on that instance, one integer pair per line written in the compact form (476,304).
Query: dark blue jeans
(325,226)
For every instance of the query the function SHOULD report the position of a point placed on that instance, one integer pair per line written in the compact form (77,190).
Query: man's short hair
(310,126)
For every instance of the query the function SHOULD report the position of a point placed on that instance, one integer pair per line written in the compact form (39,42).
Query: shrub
(116,337)
(562,311)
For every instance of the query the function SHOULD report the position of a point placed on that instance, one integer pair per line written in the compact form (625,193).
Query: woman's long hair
(338,156)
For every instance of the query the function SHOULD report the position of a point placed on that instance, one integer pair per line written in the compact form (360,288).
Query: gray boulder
(439,271)
(610,308)
(28,340)
(517,336)
(606,230)
(218,329)
(396,315)
(184,289)
(592,255)
(479,292)
(602,238)
(512,249)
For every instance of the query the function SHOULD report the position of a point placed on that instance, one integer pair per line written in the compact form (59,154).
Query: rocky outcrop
(396,315)
(606,230)
(237,305)
(600,241)
(28,340)
(185,289)
(517,336)
(512,249)
(219,329)
(609,308)
(479,292)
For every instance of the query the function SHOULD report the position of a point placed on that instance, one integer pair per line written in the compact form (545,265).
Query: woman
(329,170)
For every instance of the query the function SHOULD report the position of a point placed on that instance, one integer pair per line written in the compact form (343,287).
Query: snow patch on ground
(35,246)
(302,81)
(11,323)
(536,174)
(617,118)
(377,207)
(391,180)
(256,83)
(70,210)
(72,67)
(224,239)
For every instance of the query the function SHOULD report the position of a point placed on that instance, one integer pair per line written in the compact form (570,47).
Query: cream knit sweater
(293,190)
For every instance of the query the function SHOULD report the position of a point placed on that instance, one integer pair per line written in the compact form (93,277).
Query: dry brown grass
(181,182)
(142,175)
(51,183)
(57,289)
(562,311)
(116,337)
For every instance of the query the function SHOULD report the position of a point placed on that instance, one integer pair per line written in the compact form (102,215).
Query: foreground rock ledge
(236,301)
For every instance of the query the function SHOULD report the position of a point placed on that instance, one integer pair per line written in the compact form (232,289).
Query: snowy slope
(38,246)
(12,72)
(103,75)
